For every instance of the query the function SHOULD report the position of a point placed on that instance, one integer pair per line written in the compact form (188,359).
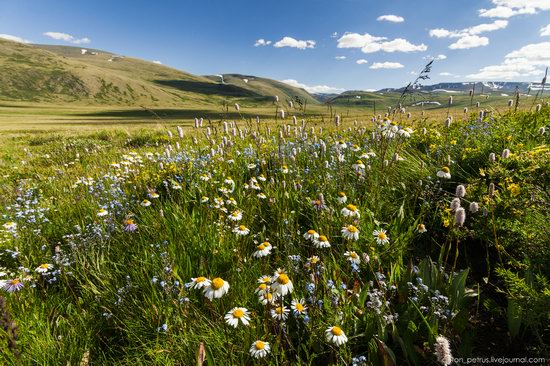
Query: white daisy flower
(262,250)
(216,289)
(145,203)
(358,166)
(321,242)
(268,298)
(282,285)
(280,313)
(262,289)
(259,349)
(10,226)
(350,211)
(236,215)
(445,173)
(234,315)
(353,257)
(241,230)
(421,228)
(311,235)
(43,268)
(342,198)
(381,237)
(198,283)
(298,307)
(102,212)
(350,232)
(336,335)
(204,199)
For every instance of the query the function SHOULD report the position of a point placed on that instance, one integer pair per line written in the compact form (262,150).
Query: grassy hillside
(61,74)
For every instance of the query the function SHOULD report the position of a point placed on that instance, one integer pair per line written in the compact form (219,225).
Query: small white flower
(234,315)
(353,257)
(350,232)
(336,335)
(259,349)
(381,236)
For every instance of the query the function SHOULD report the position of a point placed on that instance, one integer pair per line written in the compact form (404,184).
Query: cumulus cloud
(294,43)
(157,62)
(436,58)
(58,36)
(361,61)
(545,31)
(369,43)
(313,89)
(9,37)
(510,8)
(386,65)
(391,18)
(469,42)
(262,42)
(334,35)
(528,61)
(340,57)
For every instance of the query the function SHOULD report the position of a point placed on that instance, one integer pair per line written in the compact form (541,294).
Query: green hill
(62,74)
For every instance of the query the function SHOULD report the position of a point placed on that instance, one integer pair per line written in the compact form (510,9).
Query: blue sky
(480,40)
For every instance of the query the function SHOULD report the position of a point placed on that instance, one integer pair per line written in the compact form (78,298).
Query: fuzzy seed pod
(170,135)
(460,191)
(492,157)
(505,153)
(460,216)
(448,122)
(491,191)
(474,207)
(180,132)
(443,351)
(196,123)
(455,204)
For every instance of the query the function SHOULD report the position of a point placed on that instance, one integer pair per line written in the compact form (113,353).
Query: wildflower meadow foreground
(397,240)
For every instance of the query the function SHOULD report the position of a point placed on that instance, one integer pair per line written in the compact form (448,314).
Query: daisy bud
(443,351)
(492,157)
(505,153)
(491,191)
(460,191)
(474,207)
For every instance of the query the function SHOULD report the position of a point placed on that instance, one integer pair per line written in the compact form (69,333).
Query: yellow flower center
(262,286)
(235,214)
(317,203)
(358,162)
(44,266)
(238,313)
(129,222)
(352,229)
(217,283)
(336,331)
(268,296)
(15,281)
(323,238)
(260,345)
(446,169)
(261,247)
(342,194)
(266,244)
(299,306)
(314,260)
(382,236)
(351,207)
(353,255)
(200,279)
(283,279)
(311,232)
(279,310)
(242,228)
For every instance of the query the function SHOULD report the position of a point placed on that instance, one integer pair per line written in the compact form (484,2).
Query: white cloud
(436,58)
(545,31)
(469,42)
(510,8)
(475,30)
(294,43)
(386,65)
(528,61)
(391,18)
(334,35)
(67,38)
(450,74)
(262,42)
(369,43)
(313,89)
(9,37)
(157,62)
(340,57)
(361,61)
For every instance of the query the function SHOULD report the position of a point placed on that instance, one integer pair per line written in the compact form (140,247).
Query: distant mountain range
(62,74)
